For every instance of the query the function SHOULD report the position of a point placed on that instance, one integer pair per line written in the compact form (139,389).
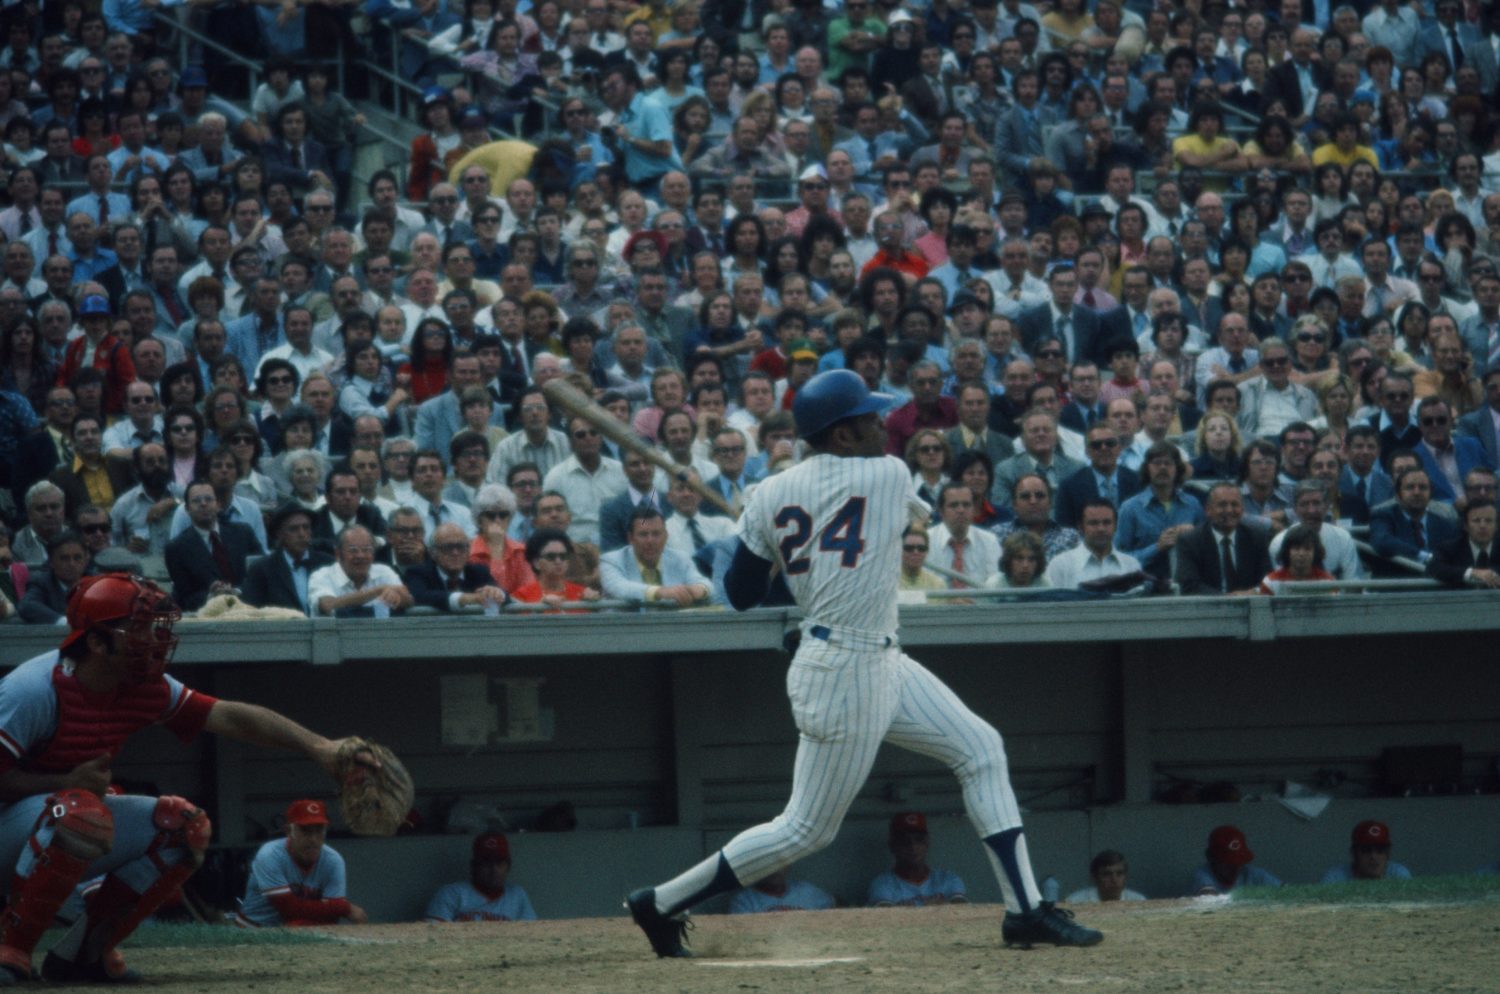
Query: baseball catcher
(64,716)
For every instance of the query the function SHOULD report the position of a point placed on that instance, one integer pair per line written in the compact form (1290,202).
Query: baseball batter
(833,523)
(64,716)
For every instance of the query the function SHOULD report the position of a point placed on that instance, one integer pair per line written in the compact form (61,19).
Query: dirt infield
(1155,947)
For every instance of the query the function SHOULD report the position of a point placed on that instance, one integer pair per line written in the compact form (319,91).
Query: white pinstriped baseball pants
(848,696)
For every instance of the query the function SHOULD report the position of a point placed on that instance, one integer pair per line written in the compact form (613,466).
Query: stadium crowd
(1200,292)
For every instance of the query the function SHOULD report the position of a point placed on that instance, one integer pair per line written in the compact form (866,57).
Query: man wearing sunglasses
(447,581)
(1271,401)
(1102,479)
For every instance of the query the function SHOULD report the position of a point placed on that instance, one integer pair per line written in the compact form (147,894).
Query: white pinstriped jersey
(835,523)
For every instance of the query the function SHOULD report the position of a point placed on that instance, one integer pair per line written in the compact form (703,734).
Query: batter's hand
(93,776)
(357,914)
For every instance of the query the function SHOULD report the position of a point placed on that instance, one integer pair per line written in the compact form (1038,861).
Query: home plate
(802,963)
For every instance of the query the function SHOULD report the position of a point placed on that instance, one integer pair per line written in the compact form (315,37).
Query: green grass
(1423,890)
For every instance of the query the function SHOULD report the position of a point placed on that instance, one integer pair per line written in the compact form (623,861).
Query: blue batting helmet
(831,397)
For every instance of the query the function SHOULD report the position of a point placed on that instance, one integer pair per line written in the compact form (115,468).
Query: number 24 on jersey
(843,535)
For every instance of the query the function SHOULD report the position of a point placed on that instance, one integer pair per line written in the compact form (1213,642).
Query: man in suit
(46,599)
(1102,479)
(1362,478)
(1083,410)
(448,581)
(1460,41)
(91,477)
(280,578)
(973,431)
(1480,331)
(209,557)
(1224,554)
(1039,457)
(292,157)
(1297,81)
(1483,425)
(343,508)
(1446,458)
(48,446)
(646,571)
(440,418)
(1471,560)
(643,490)
(1077,327)
(1408,527)
(1018,133)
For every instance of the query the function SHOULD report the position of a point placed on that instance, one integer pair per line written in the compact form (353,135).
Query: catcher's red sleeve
(309,910)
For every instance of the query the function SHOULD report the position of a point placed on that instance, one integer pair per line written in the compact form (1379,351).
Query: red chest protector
(89,725)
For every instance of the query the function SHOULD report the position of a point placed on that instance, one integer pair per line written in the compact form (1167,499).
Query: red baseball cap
(491,846)
(1226,844)
(1371,833)
(307,813)
(909,823)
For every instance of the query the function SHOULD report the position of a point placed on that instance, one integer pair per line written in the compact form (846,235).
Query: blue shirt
(460,902)
(88,203)
(940,887)
(87,269)
(645,118)
(299,577)
(1142,520)
(17,418)
(273,872)
(800,896)
(1344,873)
(1250,876)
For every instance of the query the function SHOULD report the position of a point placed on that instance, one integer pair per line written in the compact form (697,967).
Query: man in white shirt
(586,479)
(299,350)
(357,580)
(1097,557)
(141,424)
(1340,557)
(956,544)
(687,530)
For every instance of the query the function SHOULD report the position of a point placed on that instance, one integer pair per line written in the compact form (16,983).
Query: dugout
(668,733)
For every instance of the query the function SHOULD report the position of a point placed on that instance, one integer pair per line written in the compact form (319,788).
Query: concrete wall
(667,735)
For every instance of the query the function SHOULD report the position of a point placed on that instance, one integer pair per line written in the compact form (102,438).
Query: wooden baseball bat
(953,574)
(562,393)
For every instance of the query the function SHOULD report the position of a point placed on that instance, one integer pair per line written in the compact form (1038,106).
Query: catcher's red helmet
(148,611)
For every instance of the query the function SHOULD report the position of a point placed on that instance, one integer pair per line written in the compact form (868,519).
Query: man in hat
(1228,867)
(485,896)
(281,578)
(912,882)
(99,348)
(299,880)
(1370,847)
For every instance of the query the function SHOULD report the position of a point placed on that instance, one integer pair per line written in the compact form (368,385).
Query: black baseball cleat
(65,971)
(1047,923)
(665,933)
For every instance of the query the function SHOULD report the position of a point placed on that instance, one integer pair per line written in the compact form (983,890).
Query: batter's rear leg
(931,720)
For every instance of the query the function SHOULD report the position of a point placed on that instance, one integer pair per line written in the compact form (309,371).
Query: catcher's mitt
(375,791)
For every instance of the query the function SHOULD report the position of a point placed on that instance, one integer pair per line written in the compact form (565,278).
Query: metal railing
(253,69)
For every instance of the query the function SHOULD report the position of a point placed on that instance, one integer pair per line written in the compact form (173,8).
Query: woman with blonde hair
(1216,451)
(1336,395)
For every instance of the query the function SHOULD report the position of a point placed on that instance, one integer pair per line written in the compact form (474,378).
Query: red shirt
(906,262)
(906,420)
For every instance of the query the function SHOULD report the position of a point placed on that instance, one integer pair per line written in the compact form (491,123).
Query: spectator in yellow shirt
(1204,146)
(1345,149)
